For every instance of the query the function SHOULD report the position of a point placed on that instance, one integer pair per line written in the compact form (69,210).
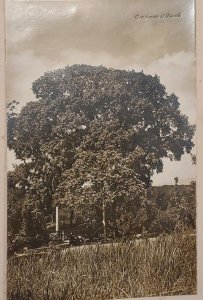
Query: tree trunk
(104,220)
(71,217)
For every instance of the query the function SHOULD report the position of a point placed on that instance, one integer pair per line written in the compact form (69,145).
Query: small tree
(34,224)
(176,181)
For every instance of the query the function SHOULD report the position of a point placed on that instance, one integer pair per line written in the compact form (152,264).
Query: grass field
(164,266)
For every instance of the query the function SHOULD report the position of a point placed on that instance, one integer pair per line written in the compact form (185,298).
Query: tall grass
(164,266)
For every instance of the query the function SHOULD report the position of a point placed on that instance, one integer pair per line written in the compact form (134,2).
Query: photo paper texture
(101,110)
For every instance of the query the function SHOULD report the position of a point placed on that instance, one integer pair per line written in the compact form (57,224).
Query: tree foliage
(104,181)
(94,136)
(176,207)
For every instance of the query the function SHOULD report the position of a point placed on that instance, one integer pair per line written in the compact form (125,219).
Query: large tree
(84,111)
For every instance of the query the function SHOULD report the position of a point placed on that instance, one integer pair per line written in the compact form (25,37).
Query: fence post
(57,219)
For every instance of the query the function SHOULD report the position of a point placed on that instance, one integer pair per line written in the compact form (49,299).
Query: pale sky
(46,35)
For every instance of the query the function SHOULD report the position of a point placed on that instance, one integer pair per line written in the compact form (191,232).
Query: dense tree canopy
(102,181)
(96,135)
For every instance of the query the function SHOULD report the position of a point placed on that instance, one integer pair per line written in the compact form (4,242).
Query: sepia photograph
(101,149)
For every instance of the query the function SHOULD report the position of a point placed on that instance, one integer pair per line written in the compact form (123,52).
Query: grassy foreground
(164,266)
